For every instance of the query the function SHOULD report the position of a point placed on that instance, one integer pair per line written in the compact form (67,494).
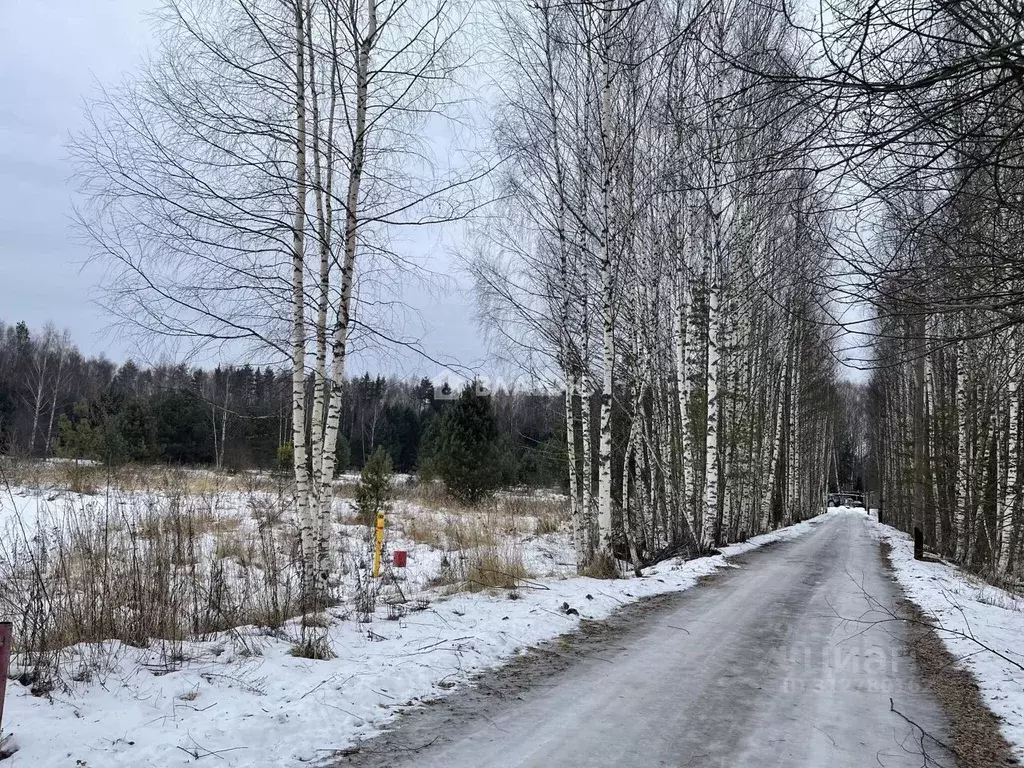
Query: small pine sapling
(374,492)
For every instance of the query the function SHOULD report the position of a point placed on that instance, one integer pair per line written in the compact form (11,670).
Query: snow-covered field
(239,698)
(982,625)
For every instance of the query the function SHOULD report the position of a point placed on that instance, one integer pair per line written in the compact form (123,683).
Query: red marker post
(6,641)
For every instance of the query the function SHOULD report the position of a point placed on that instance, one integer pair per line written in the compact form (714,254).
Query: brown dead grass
(87,478)
(450,532)
(603,566)
(429,495)
(135,567)
(546,525)
(433,496)
(480,542)
(195,521)
(495,569)
(423,529)
(235,547)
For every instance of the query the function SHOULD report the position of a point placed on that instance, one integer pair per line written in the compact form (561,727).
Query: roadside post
(379,545)
(6,641)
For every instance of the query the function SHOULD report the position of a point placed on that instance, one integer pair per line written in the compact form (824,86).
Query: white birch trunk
(962,447)
(669,479)
(37,406)
(323,195)
(629,512)
(224,420)
(793,443)
(710,505)
(689,437)
(307,533)
(604,487)
(57,383)
(931,445)
(567,362)
(1011,500)
(587,467)
(575,512)
(683,397)
(604,455)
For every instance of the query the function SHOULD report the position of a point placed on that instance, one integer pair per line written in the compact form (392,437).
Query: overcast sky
(52,52)
(52,55)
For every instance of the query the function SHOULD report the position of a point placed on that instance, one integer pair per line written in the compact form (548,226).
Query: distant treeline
(54,401)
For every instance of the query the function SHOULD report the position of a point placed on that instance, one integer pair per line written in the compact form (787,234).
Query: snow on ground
(974,616)
(241,699)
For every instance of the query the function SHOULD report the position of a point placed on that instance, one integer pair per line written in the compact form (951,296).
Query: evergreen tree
(344,453)
(285,456)
(462,447)
(90,436)
(374,492)
(425,392)
(135,424)
(78,439)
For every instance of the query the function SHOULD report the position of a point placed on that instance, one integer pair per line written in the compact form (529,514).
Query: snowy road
(773,663)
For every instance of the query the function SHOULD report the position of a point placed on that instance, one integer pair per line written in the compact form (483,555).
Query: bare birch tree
(236,186)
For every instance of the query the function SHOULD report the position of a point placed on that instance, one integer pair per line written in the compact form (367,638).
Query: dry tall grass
(86,477)
(155,557)
(148,567)
(483,543)
(443,523)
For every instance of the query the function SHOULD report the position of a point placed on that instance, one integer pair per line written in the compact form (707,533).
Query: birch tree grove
(244,185)
(945,409)
(930,106)
(661,254)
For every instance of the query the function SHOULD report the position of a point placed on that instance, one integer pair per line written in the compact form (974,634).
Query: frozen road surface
(777,662)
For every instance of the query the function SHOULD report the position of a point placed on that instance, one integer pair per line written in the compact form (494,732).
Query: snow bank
(243,700)
(974,616)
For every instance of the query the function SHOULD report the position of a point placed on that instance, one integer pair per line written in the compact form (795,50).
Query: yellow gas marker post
(380,545)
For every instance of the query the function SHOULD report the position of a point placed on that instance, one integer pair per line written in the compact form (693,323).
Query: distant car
(845,500)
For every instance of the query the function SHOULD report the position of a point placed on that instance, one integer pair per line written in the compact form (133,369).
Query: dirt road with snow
(776,662)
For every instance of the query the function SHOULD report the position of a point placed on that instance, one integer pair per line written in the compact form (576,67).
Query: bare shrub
(490,567)
(267,509)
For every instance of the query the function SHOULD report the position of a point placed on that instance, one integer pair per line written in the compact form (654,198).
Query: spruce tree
(465,447)
(374,492)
